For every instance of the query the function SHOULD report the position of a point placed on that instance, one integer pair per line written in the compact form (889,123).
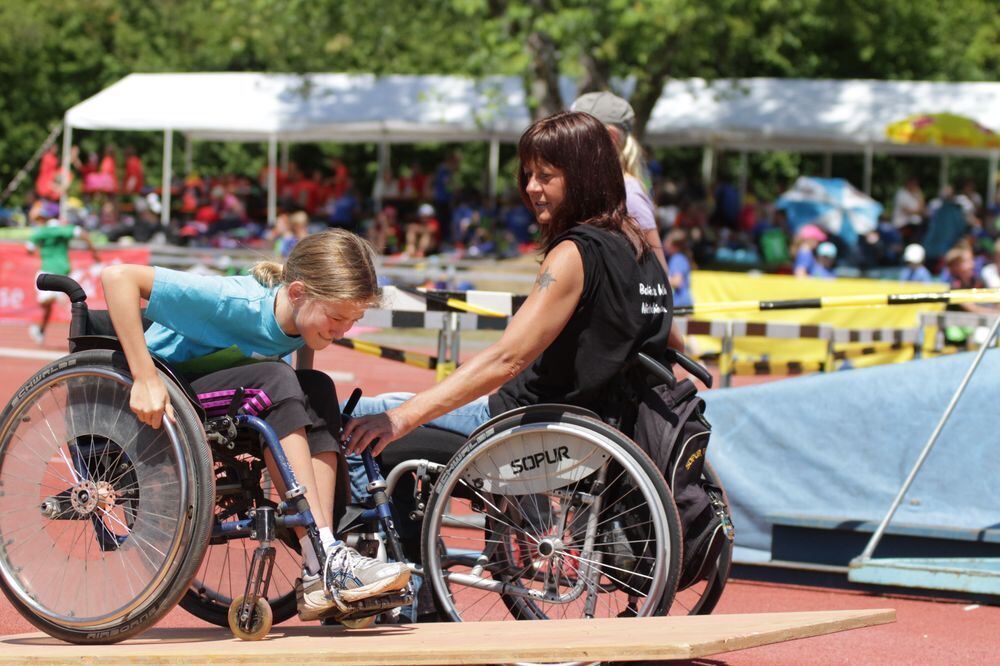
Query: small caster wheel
(359,623)
(260,620)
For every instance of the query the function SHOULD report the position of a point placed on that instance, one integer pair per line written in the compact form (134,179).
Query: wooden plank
(471,643)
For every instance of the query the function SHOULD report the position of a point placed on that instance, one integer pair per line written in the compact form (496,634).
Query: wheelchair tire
(522,542)
(702,597)
(105,565)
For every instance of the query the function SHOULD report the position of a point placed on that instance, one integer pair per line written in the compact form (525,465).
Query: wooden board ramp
(684,637)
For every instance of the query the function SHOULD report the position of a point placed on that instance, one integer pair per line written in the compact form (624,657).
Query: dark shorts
(286,398)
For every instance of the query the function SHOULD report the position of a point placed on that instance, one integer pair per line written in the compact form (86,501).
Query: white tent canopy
(745,114)
(312,107)
(810,114)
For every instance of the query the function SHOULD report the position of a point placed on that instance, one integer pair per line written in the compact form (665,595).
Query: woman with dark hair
(601,296)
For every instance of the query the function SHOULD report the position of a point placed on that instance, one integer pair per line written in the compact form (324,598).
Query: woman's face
(321,322)
(546,188)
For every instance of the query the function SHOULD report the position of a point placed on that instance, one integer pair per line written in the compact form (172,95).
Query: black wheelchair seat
(437,445)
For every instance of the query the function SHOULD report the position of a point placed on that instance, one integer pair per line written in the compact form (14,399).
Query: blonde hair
(334,265)
(631,157)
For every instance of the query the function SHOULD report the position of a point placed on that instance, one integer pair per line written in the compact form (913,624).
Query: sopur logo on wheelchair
(106,524)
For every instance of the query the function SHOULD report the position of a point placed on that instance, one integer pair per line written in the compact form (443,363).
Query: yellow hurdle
(860,301)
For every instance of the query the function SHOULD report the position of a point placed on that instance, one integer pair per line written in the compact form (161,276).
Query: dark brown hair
(580,146)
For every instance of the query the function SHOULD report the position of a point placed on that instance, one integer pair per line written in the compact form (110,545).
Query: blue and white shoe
(353,577)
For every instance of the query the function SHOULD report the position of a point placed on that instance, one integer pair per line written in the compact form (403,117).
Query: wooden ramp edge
(470,643)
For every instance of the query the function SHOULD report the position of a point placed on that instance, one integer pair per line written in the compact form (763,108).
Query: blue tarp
(841,444)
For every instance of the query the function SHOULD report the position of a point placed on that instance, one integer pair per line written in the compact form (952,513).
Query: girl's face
(546,188)
(321,322)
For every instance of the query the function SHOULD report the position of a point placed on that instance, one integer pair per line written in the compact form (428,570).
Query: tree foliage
(55,53)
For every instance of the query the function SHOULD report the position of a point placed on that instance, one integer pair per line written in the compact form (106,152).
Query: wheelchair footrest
(371,606)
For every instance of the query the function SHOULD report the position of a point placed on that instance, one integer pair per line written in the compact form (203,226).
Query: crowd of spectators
(413,211)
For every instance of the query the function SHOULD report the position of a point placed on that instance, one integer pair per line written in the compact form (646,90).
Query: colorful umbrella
(832,204)
(942,129)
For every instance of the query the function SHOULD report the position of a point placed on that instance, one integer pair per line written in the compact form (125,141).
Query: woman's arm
(540,320)
(653,238)
(124,287)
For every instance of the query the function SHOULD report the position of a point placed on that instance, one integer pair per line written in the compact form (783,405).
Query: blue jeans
(464,419)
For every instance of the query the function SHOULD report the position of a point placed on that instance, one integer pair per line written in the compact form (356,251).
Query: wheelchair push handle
(693,368)
(657,369)
(63,283)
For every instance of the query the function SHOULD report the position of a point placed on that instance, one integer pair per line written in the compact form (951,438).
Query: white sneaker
(35,333)
(311,598)
(355,577)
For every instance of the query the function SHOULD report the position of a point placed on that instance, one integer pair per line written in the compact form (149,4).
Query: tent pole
(384,157)
(491,185)
(943,176)
(707,165)
(827,165)
(188,155)
(869,158)
(67,148)
(272,179)
(991,179)
(167,177)
(744,174)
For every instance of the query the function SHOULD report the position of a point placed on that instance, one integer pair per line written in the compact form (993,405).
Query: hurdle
(450,312)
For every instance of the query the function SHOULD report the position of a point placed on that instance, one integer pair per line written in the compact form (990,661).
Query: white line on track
(51,355)
(36,354)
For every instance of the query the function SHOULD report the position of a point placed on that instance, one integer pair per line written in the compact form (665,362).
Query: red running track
(927,631)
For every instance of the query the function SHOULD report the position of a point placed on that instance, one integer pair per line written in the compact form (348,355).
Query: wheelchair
(107,524)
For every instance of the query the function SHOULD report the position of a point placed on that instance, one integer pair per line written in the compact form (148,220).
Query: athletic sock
(326,536)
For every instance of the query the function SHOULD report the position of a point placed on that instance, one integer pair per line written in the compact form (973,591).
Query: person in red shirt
(341,178)
(134,175)
(109,170)
(423,235)
(47,170)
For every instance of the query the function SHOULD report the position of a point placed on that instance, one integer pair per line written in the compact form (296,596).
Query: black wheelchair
(107,524)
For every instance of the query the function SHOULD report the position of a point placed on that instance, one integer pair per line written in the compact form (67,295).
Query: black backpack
(670,426)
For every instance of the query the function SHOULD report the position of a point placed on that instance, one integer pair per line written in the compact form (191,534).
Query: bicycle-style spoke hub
(548,548)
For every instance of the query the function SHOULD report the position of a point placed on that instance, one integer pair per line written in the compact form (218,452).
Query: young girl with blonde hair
(228,332)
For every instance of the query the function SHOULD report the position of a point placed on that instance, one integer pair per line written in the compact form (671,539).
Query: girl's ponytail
(268,273)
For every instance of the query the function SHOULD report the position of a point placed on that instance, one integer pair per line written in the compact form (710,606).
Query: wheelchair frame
(249,615)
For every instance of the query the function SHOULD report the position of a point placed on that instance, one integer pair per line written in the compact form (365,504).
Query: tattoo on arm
(544,280)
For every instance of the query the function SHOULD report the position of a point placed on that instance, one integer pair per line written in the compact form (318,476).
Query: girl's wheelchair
(107,524)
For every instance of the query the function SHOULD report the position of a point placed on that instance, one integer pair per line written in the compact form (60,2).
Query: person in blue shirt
(826,257)
(227,332)
(675,247)
(805,242)
(915,271)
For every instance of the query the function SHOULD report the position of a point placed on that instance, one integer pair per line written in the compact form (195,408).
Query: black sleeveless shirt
(625,308)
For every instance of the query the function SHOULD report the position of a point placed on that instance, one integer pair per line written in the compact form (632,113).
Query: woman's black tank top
(625,308)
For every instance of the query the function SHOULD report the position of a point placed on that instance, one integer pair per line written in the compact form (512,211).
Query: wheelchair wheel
(701,598)
(539,518)
(223,573)
(103,520)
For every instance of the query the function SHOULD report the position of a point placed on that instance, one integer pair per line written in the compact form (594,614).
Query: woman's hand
(375,430)
(149,400)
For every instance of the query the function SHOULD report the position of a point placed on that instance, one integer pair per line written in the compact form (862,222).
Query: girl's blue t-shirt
(207,323)
(678,264)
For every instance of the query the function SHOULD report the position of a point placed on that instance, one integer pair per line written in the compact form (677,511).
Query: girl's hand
(149,400)
(375,430)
